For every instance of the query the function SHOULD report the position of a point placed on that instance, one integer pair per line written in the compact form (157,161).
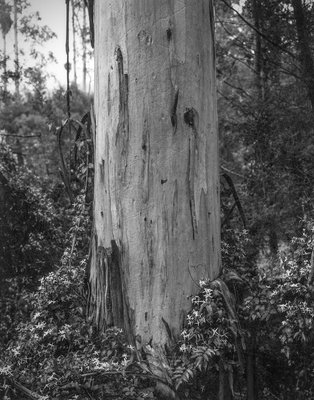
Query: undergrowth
(248,321)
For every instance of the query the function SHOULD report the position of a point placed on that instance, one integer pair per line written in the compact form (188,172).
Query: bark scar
(122,133)
(123,126)
(106,263)
(167,328)
(173,111)
(191,119)
(212,24)
(191,169)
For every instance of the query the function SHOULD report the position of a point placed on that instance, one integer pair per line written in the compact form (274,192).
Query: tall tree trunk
(84,30)
(258,48)
(306,57)
(18,150)
(5,74)
(74,41)
(16,53)
(5,25)
(156,199)
(251,369)
(224,384)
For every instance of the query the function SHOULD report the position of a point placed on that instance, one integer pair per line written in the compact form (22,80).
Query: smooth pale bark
(156,200)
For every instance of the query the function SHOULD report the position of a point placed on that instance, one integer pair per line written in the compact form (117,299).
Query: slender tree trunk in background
(6,261)
(5,25)
(273,241)
(16,52)
(306,57)
(224,384)
(18,150)
(156,200)
(74,41)
(258,48)
(251,370)
(84,30)
(5,76)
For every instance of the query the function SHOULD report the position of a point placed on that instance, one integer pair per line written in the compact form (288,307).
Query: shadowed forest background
(249,334)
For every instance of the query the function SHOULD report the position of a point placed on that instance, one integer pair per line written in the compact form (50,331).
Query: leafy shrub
(49,348)
(31,239)
(278,314)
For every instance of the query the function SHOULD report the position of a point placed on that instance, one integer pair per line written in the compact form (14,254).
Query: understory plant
(56,352)
(252,323)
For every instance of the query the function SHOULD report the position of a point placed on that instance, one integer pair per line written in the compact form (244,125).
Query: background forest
(257,325)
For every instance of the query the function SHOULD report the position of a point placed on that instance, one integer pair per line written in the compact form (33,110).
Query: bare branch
(236,197)
(259,32)
(20,136)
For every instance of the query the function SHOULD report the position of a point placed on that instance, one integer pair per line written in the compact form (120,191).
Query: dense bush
(278,314)
(48,347)
(51,349)
(55,352)
(31,237)
(256,322)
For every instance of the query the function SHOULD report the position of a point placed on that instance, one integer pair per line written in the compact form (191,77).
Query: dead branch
(236,197)
(25,390)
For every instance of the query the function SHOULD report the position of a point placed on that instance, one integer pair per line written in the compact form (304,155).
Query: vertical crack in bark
(169,333)
(107,306)
(174,216)
(169,34)
(109,94)
(191,169)
(102,170)
(145,171)
(123,124)
(212,26)
(174,87)
(191,119)
(173,110)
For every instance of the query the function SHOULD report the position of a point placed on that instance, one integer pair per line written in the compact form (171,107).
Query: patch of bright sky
(53,14)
